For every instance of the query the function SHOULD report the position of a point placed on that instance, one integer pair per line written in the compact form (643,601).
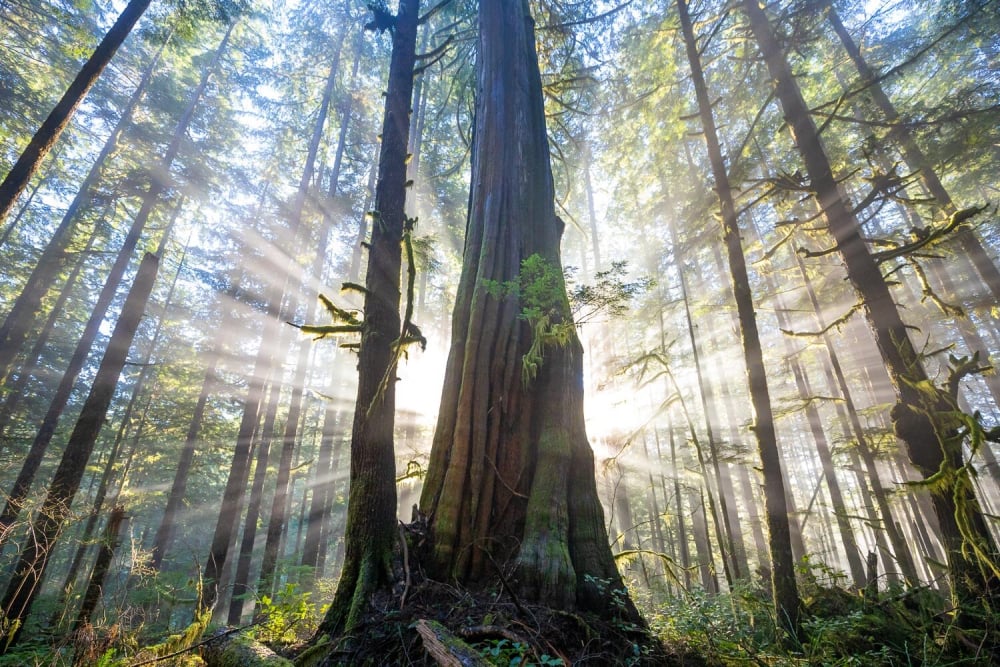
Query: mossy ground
(504,631)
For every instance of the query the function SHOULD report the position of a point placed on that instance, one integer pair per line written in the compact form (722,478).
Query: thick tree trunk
(920,417)
(32,156)
(786,596)
(371,532)
(511,475)
(55,509)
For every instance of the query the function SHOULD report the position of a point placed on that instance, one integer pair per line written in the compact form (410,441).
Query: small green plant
(552,314)
(514,654)
(288,618)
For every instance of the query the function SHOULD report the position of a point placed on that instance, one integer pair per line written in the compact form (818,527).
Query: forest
(509,332)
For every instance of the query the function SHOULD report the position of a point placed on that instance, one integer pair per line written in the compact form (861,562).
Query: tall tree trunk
(900,549)
(240,588)
(55,509)
(147,368)
(95,587)
(916,159)
(319,503)
(920,418)
(371,532)
(786,596)
(27,164)
(17,324)
(59,400)
(276,520)
(16,389)
(682,533)
(511,475)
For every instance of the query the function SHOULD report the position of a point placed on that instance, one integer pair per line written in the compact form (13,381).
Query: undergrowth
(898,626)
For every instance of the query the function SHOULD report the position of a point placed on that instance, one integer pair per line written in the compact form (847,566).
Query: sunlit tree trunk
(158,184)
(724,537)
(32,156)
(55,509)
(19,320)
(786,596)
(511,476)
(916,159)
(918,419)
(371,532)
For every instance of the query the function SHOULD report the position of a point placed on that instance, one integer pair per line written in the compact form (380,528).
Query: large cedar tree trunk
(511,475)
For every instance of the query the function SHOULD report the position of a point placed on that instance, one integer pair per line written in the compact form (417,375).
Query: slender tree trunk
(917,160)
(241,576)
(113,456)
(276,522)
(920,418)
(321,498)
(55,509)
(786,596)
(900,549)
(371,520)
(95,587)
(17,324)
(682,533)
(58,403)
(16,390)
(27,164)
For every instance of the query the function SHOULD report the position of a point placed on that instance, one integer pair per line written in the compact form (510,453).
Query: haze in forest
(762,239)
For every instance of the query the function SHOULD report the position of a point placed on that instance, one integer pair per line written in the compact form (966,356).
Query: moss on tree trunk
(511,477)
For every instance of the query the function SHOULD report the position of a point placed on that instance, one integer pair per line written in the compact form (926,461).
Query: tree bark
(920,418)
(511,474)
(47,135)
(55,509)
(371,532)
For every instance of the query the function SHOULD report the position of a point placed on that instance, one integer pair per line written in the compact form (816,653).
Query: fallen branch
(447,649)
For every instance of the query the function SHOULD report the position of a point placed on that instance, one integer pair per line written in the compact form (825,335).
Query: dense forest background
(221,174)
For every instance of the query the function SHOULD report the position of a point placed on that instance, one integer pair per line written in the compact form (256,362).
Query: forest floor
(431,623)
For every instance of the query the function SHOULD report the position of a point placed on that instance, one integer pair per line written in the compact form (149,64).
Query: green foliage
(611,294)
(541,288)
(513,654)
(289,617)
